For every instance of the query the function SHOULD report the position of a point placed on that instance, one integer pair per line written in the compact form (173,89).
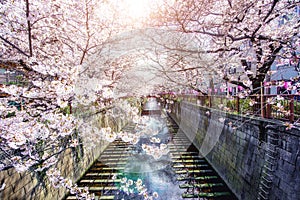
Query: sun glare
(139,9)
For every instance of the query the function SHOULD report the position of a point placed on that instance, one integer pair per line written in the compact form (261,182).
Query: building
(10,77)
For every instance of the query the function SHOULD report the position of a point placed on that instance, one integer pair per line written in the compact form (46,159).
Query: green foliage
(12,83)
(19,78)
(135,102)
(179,99)
(10,114)
(231,104)
(66,110)
(216,101)
(245,106)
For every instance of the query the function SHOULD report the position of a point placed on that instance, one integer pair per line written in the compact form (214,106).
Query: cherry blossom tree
(253,34)
(66,51)
(57,45)
(183,71)
(49,41)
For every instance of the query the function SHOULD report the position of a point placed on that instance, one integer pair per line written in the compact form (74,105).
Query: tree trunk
(29,28)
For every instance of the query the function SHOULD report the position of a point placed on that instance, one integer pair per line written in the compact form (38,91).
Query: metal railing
(285,107)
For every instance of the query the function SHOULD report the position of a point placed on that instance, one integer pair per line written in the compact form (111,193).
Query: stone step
(109,197)
(106,168)
(115,163)
(114,151)
(113,168)
(180,141)
(202,185)
(110,155)
(179,145)
(71,198)
(198,178)
(120,146)
(114,159)
(180,135)
(103,197)
(109,163)
(189,161)
(208,195)
(186,157)
(197,171)
(93,189)
(117,149)
(120,143)
(101,174)
(190,166)
(184,153)
(94,181)
(181,149)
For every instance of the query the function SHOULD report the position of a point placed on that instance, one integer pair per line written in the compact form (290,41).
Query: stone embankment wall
(238,148)
(72,164)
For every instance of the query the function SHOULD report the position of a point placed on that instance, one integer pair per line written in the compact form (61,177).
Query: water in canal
(163,165)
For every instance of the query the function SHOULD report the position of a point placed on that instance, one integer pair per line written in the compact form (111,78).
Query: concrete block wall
(31,185)
(238,155)
(287,174)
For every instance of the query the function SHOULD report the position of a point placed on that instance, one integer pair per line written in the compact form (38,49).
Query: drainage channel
(123,171)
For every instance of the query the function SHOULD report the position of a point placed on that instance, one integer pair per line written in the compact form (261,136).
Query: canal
(162,164)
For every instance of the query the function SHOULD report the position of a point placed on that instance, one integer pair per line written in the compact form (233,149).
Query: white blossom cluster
(59,181)
(156,151)
(34,138)
(149,126)
(110,136)
(130,186)
(88,91)
(36,122)
(92,132)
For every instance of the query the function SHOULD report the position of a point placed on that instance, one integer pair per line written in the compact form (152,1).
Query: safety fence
(285,107)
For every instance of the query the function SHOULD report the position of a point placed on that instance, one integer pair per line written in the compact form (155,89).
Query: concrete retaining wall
(236,147)
(73,164)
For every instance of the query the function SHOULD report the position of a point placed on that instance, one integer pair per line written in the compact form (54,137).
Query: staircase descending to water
(194,177)
(197,179)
